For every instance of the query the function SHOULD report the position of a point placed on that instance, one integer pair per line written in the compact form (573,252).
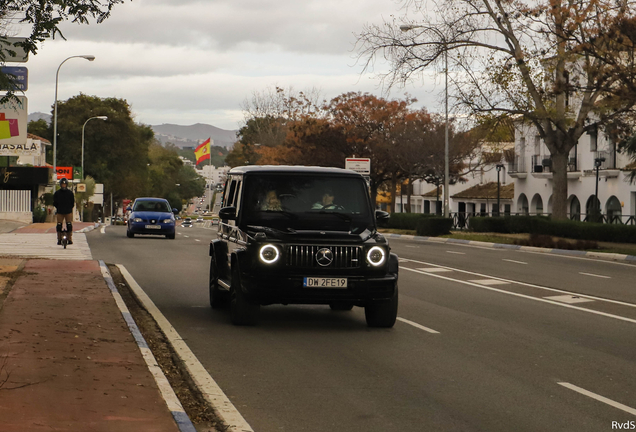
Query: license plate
(153,227)
(316,282)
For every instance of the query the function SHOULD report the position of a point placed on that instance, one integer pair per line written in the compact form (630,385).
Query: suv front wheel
(218,298)
(242,312)
(382,314)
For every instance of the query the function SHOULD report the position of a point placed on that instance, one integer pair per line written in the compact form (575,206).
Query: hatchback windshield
(307,202)
(158,206)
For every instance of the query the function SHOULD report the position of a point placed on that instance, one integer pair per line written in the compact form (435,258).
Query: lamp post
(499,168)
(408,27)
(83,127)
(57,76)
(597,204)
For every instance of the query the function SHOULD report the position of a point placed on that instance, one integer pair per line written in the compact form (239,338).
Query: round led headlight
(269,254)
(376,256)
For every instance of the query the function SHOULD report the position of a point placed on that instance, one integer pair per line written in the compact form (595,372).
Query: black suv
(301,235)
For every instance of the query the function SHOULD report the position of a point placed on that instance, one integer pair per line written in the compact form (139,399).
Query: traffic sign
(20,76)
(8,44)
(360,165)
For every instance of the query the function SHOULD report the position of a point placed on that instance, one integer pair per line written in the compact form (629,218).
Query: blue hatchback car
(151,216)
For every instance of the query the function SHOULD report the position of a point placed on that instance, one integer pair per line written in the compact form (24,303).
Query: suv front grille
(303,256)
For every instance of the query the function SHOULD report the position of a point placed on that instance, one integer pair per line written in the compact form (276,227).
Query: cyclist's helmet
(64,181)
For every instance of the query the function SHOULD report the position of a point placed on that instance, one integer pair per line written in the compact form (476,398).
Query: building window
(593,139)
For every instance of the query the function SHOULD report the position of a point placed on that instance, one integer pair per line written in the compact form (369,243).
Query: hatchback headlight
(269,254)
(138,220)
(376,256)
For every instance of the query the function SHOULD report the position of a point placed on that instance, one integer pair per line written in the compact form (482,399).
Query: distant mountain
(181,136)
(191,136)
(39,115)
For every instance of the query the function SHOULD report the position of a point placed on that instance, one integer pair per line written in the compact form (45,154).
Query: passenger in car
(271,202)
(326,201)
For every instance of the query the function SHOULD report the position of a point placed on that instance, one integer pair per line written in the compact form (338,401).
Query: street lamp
(83,127)
(83,175)
(499,168)
(57,75)
(597,204)
(408,27)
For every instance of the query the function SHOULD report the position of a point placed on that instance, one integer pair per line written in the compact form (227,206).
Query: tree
(564,67)
(115,150)
(44,18)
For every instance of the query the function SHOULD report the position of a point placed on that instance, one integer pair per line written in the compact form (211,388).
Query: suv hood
(312,235)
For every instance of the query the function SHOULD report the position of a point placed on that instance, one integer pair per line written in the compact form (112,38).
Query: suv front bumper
(290,290)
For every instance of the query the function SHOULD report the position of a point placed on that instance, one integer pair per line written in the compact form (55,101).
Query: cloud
(189,62)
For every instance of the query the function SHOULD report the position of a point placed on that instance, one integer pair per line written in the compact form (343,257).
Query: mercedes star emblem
(324,257)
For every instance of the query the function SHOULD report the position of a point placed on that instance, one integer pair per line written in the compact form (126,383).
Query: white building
(532,172)
(213,175)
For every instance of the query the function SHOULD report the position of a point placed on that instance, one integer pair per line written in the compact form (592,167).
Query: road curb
(213,394)
(89,228)
(174,405)
(577,253)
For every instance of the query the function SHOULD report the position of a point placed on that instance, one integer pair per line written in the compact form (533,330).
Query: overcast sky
(188,61)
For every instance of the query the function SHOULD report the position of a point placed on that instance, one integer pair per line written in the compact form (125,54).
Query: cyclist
(64,201)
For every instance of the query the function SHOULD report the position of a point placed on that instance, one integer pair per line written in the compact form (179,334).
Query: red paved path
(73,363)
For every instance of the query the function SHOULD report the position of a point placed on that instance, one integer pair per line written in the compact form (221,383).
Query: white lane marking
(489,282)
(419,326)
(530,285)
(206,384)
(458,253)
(539,299)
(186,236)
(595,275)
(516,262)
(197,240)
(103,230)
(414,247)
(435,270)
(569,299)
(599,398)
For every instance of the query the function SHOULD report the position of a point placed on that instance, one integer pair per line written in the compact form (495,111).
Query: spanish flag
(203,151)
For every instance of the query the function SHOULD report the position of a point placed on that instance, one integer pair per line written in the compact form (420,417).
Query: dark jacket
(64,201)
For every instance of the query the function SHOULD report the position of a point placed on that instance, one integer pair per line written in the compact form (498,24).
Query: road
(487,340)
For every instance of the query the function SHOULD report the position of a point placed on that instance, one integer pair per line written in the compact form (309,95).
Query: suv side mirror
(382,216)
(227,213)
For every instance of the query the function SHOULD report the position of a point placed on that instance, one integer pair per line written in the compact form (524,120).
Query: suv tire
(242,312)
(218,299)
(382,314)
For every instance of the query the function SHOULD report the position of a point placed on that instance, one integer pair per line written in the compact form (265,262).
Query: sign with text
(64,172)
(13,121)
(20,77)
(77,173)
(30,149)
(359,165)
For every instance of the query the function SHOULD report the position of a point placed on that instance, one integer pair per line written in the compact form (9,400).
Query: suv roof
(292,169)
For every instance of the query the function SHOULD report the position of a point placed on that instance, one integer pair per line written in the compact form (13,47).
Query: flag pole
(210,191)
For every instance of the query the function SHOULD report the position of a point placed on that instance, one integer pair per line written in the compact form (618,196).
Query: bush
(407,221)
(39,214)
(563,228)
(546,241)
(434,226)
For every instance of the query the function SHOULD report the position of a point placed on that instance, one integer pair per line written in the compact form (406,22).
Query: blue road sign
(21,76)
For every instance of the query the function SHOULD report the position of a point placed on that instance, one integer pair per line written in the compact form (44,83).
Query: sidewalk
(68,361)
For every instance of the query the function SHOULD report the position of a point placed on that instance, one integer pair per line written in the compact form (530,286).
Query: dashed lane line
(595,275)
(599,398)
(516,262)
(456,253)
(416,325)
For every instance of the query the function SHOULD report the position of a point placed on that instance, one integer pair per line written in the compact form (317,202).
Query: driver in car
(326,202)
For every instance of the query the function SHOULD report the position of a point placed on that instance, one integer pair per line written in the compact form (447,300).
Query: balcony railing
(610,159)
(541,163)
(518,165)
(461,220)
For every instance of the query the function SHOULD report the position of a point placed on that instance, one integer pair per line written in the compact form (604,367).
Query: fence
(15,201)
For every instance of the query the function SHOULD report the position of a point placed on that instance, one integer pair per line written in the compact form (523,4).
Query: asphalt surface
(487,340)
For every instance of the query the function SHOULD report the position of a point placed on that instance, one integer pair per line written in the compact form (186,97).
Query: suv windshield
(301,202)
(158,206)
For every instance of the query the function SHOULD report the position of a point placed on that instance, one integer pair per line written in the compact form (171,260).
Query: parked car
(151,216)
(284,240)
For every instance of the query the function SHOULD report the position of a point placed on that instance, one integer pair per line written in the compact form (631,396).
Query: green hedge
(434,226)
(562,228)
(407,221)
